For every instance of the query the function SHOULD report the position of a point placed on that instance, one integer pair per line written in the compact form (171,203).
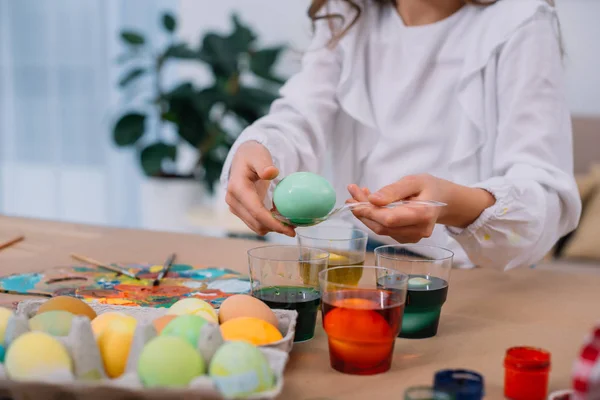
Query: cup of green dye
(287,278)
(428,268)
(425,393)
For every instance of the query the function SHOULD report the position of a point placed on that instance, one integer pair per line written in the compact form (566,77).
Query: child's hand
(404,224)
(251,172)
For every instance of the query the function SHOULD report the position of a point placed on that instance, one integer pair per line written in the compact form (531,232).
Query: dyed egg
(114,343)
(187,327)
(37,355)
(55,323)
(349,325)
(192,305)
(5,315)
(252,330)
(242,305)
(169,361)
(2,354)
(100,323)
(70,304)
(240,369)
(303,196)
(160,322)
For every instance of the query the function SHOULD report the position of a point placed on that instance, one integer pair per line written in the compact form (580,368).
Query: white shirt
(481,102)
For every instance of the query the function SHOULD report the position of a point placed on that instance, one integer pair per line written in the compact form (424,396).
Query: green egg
(169,361)
(240,369)
(55,323)
(187,327)
(303,196)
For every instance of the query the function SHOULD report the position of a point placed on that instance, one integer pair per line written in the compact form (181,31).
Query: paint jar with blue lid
(461,384)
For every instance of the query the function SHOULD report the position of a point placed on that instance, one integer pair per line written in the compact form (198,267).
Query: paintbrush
(102,265)
(165,270)
(28,293)
(11,242)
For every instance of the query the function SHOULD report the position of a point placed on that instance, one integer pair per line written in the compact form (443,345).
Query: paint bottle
(462,384)
(526,371)
(425,393)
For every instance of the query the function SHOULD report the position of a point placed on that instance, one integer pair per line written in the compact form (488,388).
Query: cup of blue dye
(461,384)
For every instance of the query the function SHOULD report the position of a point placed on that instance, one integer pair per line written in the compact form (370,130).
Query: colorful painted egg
(187,327)
(303,196)
(5,315)
(55,323)
(100,323)
(114,343)
(37,356)
(70,304)
(192,305)
(169,361)
(161,322)
(240,369)
(252,330)
(242,305)
(2,354)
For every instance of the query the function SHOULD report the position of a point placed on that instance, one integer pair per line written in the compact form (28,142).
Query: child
(457,101)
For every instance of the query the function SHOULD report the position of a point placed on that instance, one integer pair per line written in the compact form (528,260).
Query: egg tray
(90,380)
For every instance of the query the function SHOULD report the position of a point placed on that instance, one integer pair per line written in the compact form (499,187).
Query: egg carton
(286,318)
(89,380)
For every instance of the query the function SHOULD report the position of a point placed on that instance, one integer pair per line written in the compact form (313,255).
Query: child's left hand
(404,224)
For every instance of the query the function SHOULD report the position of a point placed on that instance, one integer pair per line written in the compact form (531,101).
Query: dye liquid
(305,300)
(426,296)
(361,330)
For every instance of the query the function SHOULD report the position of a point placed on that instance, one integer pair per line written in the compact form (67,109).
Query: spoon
(352,206)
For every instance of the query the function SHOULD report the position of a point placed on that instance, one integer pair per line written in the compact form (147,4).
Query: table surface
(486,312)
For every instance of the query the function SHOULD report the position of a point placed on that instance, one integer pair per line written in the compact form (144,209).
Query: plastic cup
(362,320)
(346,247)
(428,268)
(287,278)
(526,372)
(461,384)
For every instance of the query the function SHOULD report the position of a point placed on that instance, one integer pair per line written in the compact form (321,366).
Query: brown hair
(317,5)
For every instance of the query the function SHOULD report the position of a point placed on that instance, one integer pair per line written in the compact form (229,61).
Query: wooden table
(486,312)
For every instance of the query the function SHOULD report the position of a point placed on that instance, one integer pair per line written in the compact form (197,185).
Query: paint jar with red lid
(526,372)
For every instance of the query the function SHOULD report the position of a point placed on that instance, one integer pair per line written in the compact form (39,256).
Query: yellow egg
(5,314)
(70,304)
(192,305)
(35,355)
(251,330)
(241,305)
(114,343)
(100,323)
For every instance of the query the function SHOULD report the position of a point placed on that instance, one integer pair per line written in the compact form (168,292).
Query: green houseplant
(207,118)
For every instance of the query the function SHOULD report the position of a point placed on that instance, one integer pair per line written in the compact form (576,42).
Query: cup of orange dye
(362,319)
(526,373)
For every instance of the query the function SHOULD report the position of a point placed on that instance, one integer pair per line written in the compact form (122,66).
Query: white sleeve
(295,129)
(537,200)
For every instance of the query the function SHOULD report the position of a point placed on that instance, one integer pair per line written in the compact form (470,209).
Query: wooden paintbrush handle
(11,242)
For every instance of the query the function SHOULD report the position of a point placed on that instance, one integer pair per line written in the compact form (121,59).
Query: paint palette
(93,284)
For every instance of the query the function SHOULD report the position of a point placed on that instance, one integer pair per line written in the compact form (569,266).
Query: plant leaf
(181,51)
(131,76)
(129,129)
(153,156)
(242,37)
(169,22)
(132,38)
(263,61)
(217,51)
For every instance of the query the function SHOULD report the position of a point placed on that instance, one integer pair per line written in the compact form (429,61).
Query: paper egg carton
(87,361)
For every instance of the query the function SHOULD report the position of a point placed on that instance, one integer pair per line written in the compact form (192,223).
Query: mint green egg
(169,361)
(241,369)
(303,196)
(55,323)
(187,327)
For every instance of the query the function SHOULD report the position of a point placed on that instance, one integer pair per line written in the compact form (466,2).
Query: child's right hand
(251,173)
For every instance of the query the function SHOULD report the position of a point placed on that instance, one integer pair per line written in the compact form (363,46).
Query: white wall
(286,21)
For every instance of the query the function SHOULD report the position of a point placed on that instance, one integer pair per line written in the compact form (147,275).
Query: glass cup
(287,278)
(346,247)
(429,270)
(425,393)
(362,320)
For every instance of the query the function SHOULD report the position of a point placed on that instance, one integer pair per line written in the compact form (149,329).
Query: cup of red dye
(526,372)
